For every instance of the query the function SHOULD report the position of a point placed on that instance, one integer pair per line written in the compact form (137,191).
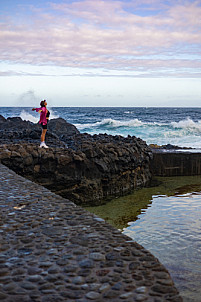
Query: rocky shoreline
(84,168)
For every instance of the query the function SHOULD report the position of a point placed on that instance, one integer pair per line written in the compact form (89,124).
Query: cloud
(145,36)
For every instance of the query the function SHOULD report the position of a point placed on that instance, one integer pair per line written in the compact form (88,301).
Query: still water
(165,219)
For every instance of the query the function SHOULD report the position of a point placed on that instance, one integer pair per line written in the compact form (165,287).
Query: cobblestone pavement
(53,250)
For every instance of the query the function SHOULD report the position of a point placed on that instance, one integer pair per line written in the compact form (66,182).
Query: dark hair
(42,103)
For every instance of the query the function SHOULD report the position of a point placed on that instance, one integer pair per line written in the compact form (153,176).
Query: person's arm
(37,109)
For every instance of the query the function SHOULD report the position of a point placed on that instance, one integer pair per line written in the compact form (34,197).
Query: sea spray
(188,124)
(25,116)
(34,117)
(111,123)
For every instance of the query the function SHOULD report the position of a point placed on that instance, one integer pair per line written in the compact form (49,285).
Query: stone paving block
(53,250)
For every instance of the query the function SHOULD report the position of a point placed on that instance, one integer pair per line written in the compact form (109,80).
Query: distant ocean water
(155,125)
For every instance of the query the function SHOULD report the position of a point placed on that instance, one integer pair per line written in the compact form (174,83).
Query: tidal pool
(165,219)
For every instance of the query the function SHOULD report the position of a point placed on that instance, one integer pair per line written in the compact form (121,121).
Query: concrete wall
(176,164)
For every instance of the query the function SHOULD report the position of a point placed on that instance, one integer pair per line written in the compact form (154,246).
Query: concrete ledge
(53,250)
(176,163)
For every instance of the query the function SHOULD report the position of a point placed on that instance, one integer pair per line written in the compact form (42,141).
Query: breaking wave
(185,133)
(34,117)
(112,123)
(25,116)
(187,124)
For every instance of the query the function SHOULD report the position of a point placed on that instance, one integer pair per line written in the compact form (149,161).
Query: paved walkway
(52,250)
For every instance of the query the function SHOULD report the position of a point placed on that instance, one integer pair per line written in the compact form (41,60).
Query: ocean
(155,125)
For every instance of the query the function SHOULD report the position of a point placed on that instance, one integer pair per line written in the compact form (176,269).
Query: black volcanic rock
(16,123)
(14,130)
(60,127)
(82,167)
(2,119)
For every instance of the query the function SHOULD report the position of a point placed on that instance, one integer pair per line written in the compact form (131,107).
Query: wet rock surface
(53,250)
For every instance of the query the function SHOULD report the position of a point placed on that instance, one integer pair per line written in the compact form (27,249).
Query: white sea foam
(187,124)
(112,124)
(116,123)
(26,116)
(128,112)
(185,133)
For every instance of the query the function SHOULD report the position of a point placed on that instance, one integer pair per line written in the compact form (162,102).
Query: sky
(124,53)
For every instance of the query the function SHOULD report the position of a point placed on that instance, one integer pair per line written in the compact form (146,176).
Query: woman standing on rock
(44,116)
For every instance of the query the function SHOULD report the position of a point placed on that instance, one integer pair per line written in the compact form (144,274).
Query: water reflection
(120,211)
(167,221)
(171,231)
